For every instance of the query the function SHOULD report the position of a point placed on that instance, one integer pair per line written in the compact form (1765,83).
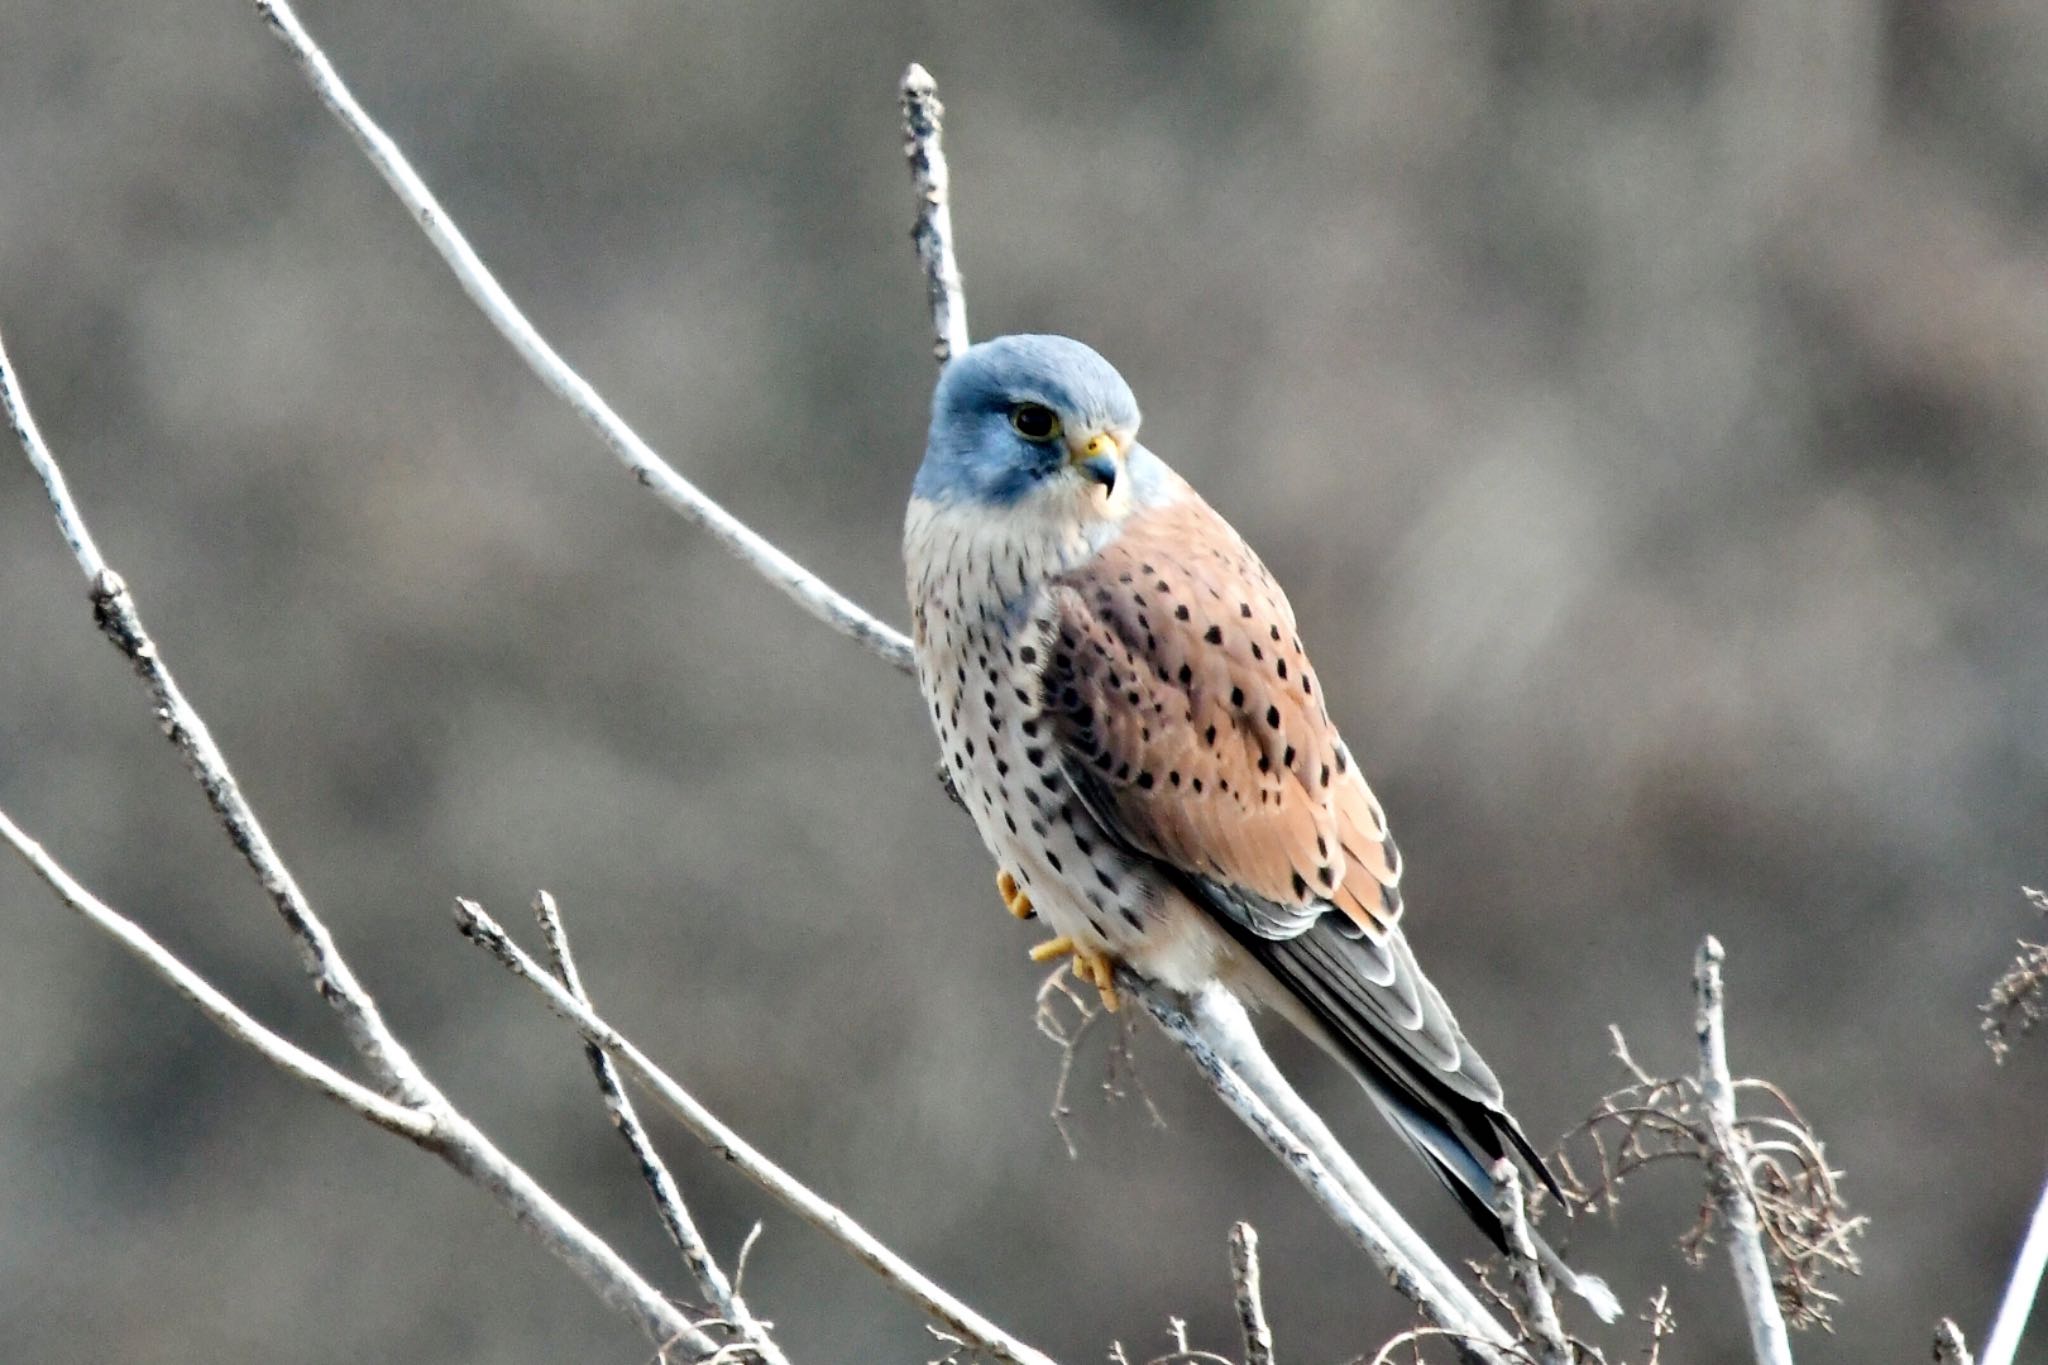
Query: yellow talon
(1013,896)
(1105,984)
(1055,948)
(1099,971)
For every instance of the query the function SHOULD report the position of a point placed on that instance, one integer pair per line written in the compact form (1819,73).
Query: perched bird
(1125,708)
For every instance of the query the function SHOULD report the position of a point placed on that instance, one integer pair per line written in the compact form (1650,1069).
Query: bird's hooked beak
(1098,455)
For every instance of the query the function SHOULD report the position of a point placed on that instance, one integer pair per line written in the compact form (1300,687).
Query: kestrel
(1124,706)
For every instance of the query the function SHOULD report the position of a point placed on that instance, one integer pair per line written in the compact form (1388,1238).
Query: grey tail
(1389,1025)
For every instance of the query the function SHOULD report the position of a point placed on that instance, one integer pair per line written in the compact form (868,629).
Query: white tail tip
(1597,1295)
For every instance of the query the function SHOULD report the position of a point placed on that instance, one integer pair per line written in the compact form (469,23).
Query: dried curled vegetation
(1066,1017)
(2019,999)
(1808,1230)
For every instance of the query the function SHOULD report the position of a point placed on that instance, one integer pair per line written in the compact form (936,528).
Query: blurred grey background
(1645,404)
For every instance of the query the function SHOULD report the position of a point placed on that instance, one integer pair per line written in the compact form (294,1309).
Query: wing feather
(1192,722)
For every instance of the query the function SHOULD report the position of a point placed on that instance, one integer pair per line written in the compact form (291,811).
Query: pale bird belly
(1000,754)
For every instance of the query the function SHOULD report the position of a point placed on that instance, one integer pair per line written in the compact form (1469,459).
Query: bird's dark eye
(1035,421)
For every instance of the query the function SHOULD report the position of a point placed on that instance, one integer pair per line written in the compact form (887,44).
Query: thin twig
(802,586)
(69,523)
(1533,1304)
(463,1146)
(722,1296)
(447,1133)
(1728,1165)
(896,1272)
(1949,1346)
(1251,1306)
(2002,1346)
(1662,1325)
(1067,1034)
(436,1127)
(286,1056)
(933,234)
(114,610)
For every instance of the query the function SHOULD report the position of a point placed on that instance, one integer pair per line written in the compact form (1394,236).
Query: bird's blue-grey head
(1014,414)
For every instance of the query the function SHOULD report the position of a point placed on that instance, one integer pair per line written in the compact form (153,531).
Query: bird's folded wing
(1193,728)
(1191,722)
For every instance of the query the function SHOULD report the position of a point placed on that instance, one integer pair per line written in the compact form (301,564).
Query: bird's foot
(1097,969)
(1014,899)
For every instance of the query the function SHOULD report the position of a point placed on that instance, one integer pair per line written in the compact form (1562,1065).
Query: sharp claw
(1100,972)
(1054,948)
(1013,895)
(1097,969)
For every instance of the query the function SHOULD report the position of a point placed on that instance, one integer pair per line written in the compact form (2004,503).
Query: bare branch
(2002,1346)
(1728,1166)
(955,1316)
(446,1132)
(933,234)
(1662,1325)
(412,1124)
(69,522)
(1217,1037)
(1065,1017)
(435,1127)
(114,610)
(1949,1347)
(802,586)
(719,1293)
(1807,1228)
(463,1146)
(1533,1304)
(1251,1307)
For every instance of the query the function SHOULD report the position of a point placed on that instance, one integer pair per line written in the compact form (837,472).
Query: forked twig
(433,1123)
(1067,1017)
(721,1295)
(1661,1323)
(909,1282)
